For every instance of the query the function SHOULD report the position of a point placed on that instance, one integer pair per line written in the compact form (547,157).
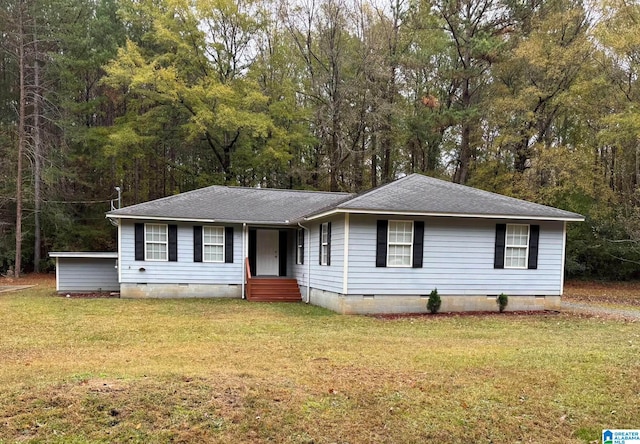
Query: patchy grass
(156,371)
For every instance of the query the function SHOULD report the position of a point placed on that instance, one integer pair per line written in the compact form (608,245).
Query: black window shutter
(328,243)
(534,237)
(301,242)
(253,242)
(498,260)
(228,245)
(173,243)
(197,243)
(418,243)
(139,241)
(381,243)
(320,245)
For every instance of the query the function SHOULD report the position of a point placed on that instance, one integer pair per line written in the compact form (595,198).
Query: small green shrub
(434,302)
(502,300)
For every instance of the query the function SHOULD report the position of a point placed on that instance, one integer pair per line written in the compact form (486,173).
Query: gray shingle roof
(236,204)
(414,194)
(418,194)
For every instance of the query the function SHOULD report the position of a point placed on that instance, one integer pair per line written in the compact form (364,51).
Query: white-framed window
(155,242)
(516,251)
(300,247)
(324,243)
(213,244)
(400,243)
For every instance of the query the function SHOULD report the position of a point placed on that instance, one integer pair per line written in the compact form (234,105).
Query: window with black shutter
(324,244)
(516,246)
(399,243)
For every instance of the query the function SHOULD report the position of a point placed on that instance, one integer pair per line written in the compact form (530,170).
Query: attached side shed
(84,272)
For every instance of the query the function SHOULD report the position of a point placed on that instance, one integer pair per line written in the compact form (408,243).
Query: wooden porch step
(273,290)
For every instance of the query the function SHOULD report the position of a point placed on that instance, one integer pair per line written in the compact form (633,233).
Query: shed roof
(414,194)
(84,254)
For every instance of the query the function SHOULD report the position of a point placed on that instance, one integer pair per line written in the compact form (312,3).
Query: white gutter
(254,223)
(85,254)
(435,214)
(308,261)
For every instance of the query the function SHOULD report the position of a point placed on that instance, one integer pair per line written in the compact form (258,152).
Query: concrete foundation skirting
(379,304)
(142,291)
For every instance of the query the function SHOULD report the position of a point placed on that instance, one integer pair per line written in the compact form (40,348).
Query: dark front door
(268,252)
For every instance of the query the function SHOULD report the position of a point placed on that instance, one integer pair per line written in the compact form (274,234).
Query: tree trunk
(462,172)
(37,162)
(334,154)
(358,179)
(374,161)
(464,160)
(386,156)
(22,139)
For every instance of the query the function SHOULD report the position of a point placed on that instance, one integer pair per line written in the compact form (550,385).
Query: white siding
(458,260)
(86,275)
(185,270)
(323,277)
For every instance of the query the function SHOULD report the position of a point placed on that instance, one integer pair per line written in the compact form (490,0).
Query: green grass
(110,370)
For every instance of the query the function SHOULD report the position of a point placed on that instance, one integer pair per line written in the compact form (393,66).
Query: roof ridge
(282,189)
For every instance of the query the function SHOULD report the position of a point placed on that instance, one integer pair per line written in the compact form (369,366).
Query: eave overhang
(434,214)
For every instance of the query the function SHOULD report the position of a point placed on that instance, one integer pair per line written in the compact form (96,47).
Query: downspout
(308,261)
(244,235)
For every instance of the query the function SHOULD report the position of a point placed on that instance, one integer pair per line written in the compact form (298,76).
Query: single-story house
(382,251)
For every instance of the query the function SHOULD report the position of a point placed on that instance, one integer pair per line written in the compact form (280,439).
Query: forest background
(536,99)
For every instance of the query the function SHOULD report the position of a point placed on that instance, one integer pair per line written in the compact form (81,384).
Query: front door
(267,252)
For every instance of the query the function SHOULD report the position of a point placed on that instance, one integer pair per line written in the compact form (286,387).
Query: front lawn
(111,370)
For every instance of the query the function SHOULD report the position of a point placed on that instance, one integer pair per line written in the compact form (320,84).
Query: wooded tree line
(537,99)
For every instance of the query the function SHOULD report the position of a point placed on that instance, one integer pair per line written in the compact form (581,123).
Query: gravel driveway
(5,288)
